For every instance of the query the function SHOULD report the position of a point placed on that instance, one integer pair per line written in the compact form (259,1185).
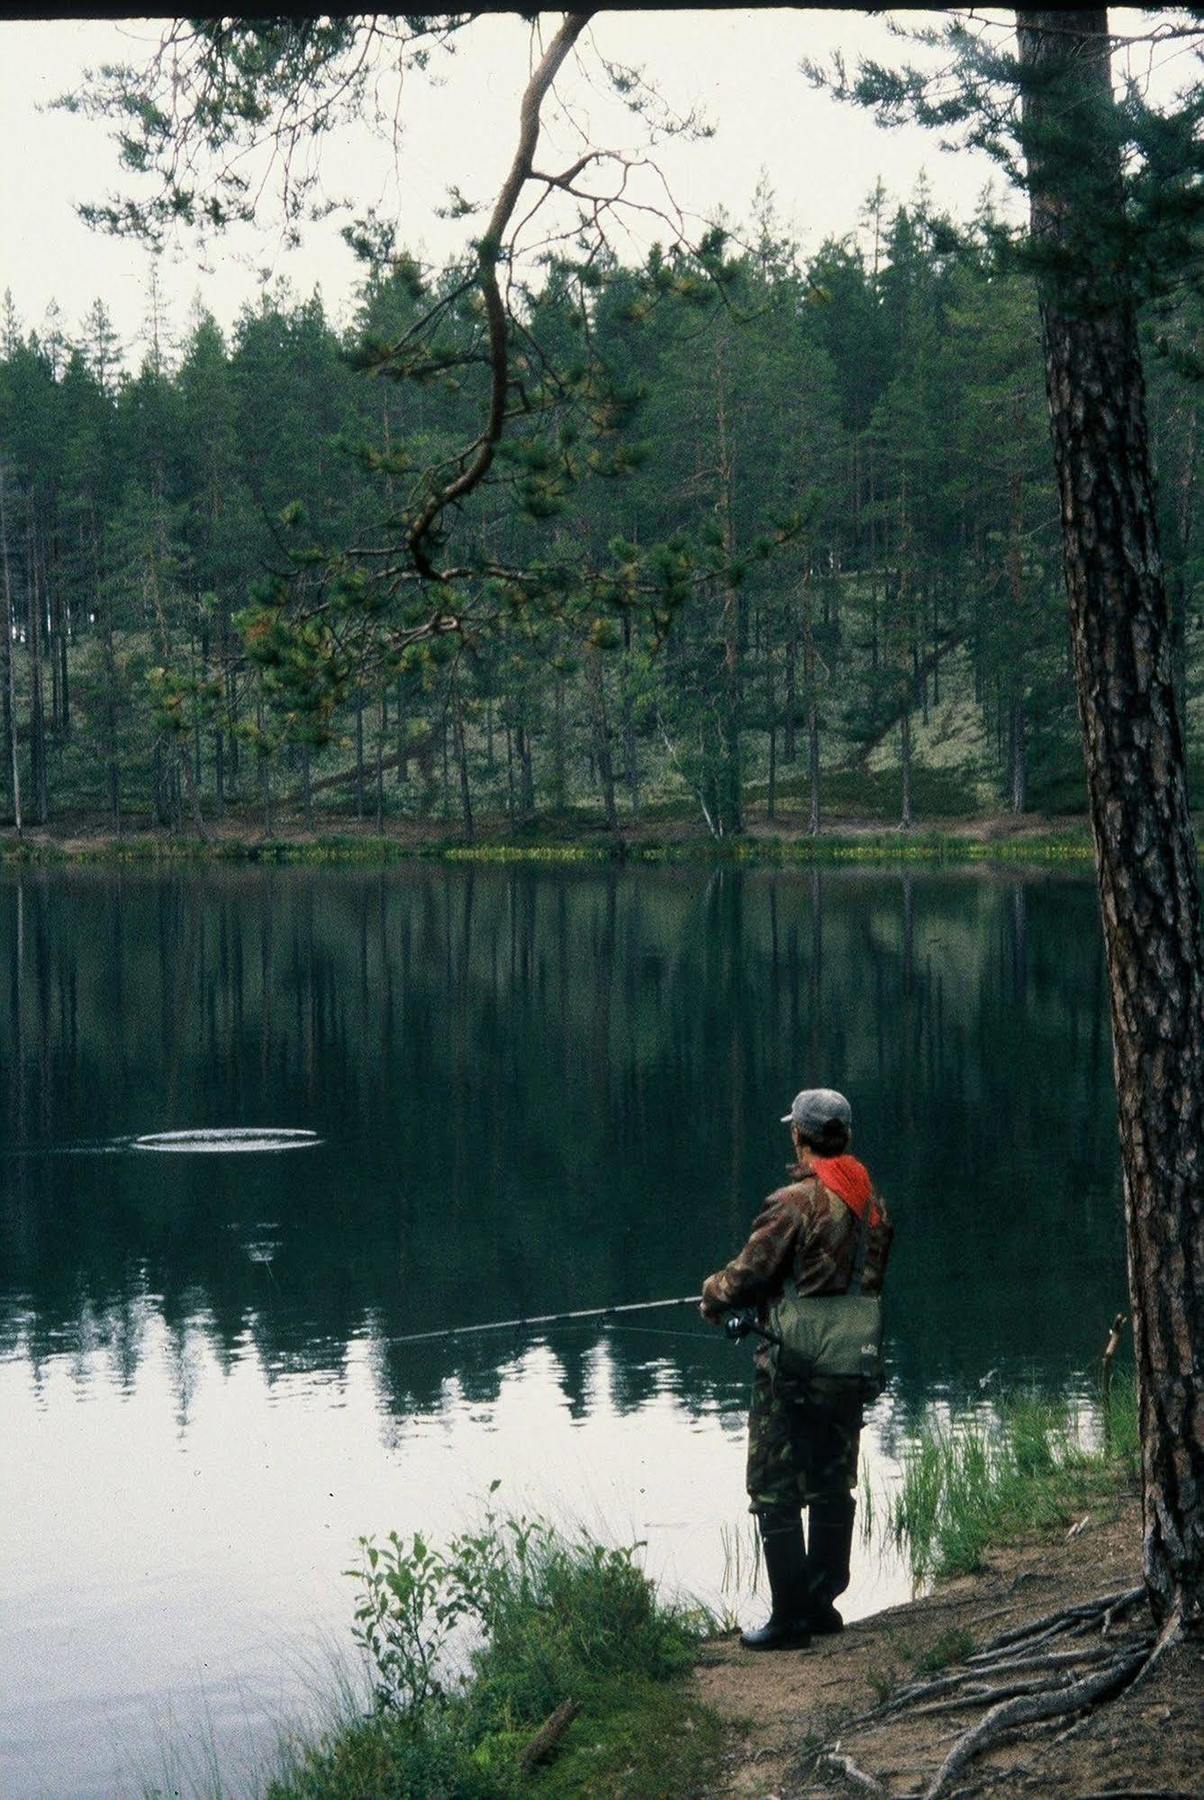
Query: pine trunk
(465,787)
(789,714)
(730,800)
(10,688)
(559,743)
(905,816)
(602,750)
(1136,775)
(381,729)
(811,688)
(359,752)
(39,779)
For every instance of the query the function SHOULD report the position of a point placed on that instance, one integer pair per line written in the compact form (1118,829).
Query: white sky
(739,67)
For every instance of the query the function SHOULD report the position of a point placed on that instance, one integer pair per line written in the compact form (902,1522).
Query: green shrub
(985,1481)
(542,1619)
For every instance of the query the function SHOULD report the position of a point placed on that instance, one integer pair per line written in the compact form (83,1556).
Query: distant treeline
(888,391)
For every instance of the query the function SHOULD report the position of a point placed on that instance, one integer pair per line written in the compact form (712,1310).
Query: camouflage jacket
(807,1235)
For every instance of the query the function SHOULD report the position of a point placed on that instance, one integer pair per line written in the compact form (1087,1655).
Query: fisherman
(803,1436)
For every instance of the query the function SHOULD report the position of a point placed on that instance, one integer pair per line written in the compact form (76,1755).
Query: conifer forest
(776,541)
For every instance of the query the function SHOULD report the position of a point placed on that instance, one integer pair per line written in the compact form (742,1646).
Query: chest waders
(832,1344)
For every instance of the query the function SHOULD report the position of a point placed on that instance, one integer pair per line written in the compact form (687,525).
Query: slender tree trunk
(183,760)
(1018,752)
(10,687)
(602,748)
(465,787)
(381,728)
(265,767)
(60,631)
(1136,774)
(403,761)
(233,712)
(526,772)
(359,751)
(631,758)
(198,770)
(38,772)
(904,625)
(219,768)
(789,719)
(731,796)
(1018,717)
(905,818)
(559,748)
(811,691)
(771,715)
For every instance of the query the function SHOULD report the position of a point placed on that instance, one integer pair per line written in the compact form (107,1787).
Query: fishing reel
(739,1325)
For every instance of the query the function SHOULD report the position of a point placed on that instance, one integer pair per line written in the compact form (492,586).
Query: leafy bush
(537,1619)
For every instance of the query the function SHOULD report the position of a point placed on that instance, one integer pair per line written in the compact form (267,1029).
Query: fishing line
(690,1337)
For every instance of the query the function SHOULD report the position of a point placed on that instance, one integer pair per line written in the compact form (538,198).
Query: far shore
(241,837)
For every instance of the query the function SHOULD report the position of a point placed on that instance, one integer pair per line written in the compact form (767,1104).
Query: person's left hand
(711,1313)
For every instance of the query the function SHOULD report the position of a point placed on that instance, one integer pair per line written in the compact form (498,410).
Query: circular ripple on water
(223,1140)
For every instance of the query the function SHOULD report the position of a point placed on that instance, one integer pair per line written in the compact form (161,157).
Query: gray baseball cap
(814,1109)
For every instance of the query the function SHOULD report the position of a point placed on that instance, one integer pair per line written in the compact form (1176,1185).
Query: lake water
(531,1091)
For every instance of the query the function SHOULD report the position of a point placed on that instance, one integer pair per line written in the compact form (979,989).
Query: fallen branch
(845,1766)
(548,1736)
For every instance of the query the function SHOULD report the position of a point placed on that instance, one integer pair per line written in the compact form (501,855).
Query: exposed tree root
(1029,1709)
(1071,1679)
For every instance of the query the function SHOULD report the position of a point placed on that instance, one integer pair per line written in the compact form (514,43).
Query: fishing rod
(737,1326)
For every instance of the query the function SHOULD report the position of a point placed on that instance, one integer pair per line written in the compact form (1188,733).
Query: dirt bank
(795,1715)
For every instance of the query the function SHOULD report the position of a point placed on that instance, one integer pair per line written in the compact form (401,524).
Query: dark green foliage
(763,522)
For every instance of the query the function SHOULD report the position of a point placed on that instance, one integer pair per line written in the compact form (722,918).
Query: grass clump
(983,1482)
(472,1649)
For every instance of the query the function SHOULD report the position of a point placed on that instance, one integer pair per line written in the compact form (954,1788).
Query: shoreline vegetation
(1032,839)
(582,1682)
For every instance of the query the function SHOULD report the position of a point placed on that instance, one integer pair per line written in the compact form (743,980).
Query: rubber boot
(786,1568)
(829,1547)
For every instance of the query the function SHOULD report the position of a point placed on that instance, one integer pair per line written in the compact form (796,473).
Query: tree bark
(1133,743)
(811,688)
(39,779)
(731,795)
(465,786)
(789,719)
(905,815)
(602,746)
(10,689)
(359,751)
(1018,716)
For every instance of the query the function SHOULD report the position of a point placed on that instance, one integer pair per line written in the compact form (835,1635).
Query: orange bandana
(849,1180)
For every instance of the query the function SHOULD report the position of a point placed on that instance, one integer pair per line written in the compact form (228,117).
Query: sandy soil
(789,1708)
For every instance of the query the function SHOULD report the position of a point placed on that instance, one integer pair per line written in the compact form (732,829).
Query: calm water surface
(532,1091)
